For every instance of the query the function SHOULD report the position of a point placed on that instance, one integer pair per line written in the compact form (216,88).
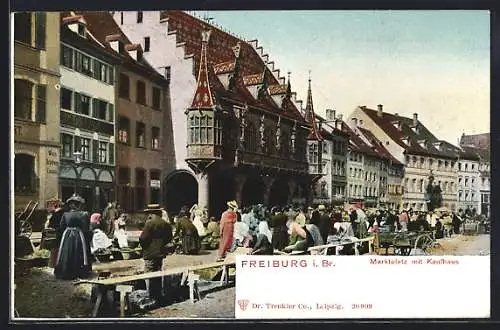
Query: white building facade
(469,184)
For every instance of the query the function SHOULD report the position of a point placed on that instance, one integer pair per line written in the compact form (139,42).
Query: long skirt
(191,244)
(73,256)
(226,241)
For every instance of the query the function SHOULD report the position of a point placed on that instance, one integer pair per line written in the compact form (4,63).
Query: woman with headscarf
(73,259)
(227,221)
(196,218)
(188,234)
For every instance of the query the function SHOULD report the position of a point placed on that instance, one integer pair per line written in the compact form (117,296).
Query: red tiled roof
(203,96)
(310,117)
(357,143)
(220,52)
(224,67)
(410,133)
(476,140)
(378,146)
(277,89)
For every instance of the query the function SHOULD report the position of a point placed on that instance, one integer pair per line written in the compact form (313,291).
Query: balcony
(26,130)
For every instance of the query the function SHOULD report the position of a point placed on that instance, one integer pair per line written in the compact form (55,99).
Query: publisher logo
(243,303)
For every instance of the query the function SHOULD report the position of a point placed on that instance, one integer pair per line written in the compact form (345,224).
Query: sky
(434,63)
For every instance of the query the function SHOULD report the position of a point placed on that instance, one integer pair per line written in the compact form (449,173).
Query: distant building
(87,114)
(425,157)
(144,152)
(36,107)
(477,147)
(331,188)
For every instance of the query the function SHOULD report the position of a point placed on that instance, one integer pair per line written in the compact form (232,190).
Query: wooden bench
(123,286)
(323,249)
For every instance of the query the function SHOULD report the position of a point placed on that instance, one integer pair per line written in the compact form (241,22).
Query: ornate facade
(243,137)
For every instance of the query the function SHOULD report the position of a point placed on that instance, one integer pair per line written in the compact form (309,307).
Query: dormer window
(81,30)
(423,143)
(397,124)
(406,140)
(415,129)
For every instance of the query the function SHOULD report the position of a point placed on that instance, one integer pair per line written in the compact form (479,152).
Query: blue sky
(435,63)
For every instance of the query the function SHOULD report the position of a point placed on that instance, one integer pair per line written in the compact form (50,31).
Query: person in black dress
(73,258)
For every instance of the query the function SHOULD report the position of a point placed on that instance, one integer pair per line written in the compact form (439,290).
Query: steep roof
(310,117)
(476,140)
(378,146)
(415,139)
(252,69)
(357,144)
(102,26)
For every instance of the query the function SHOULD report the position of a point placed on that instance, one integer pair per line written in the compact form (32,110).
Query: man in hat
(324,224)
(187,233)
(155,235)
(73,258)
(227,221)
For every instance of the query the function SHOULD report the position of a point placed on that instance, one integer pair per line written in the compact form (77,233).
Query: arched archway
(278,195)
(253,191)
(222,190)
(181,189)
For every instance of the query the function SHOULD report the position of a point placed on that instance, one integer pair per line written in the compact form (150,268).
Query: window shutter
(95,108)
(78,144)
(95,151)
(40,30)
(97,69)
(78,103)
(111,75)
(111,112)
(111,149)
(41,102)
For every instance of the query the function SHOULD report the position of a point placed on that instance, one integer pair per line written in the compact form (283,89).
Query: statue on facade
(292,138)
(434,195)
(262,129)
(278,134)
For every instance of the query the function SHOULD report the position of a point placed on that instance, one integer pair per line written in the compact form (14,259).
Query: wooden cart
(23,224)
(402,243)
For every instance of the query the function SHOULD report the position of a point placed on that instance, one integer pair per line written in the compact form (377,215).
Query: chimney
(354,121)
(360,122)
(415,119)
(380,110)
(340,116)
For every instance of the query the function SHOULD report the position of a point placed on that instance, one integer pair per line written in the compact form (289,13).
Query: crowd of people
(262,230)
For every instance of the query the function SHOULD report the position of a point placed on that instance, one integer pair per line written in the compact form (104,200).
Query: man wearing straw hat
(155,235)
(227,222)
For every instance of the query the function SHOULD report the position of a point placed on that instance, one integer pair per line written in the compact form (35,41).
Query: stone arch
(87,173)
(105,176)
(68,172)
(181,189)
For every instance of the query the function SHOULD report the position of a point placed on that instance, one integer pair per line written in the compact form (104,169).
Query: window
(140,135)
(139,17)
(146,44)
(67,145)
(100,109)
(285,144)
(141,92)
(101,71)
(24,173)
(66,99)
(155,138)
(82,104)
(154,175)
(40,20)
(431,163)
(23,99)
(86,66)
(66,56)
(251,138)
(140,183)
(156,98)
(103,152)
(85,148)
(123,175)
(472,167)
(124,90)
(41,95)
(123,130)
(22,27)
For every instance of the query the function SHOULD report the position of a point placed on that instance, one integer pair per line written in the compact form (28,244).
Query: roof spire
(310,117)
(289,86)
(203,95)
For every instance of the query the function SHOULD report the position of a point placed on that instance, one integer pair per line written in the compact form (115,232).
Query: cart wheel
(26,229)
(424,242)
